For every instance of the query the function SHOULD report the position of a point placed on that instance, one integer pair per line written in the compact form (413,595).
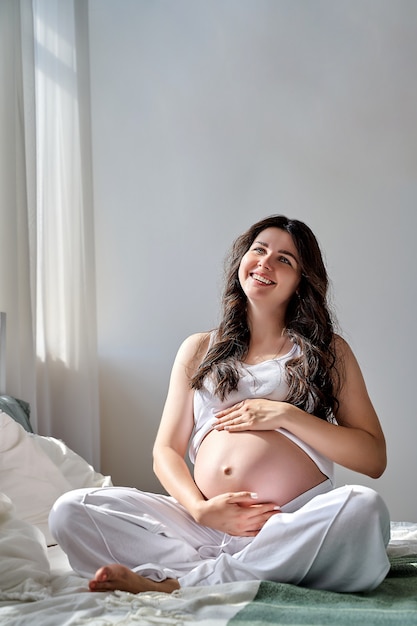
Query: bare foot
(118,577)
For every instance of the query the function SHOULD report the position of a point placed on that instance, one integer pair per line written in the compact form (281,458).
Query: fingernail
(254,496)
(277,508)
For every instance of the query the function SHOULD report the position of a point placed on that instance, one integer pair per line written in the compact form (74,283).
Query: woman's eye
(283,259)
(258,250)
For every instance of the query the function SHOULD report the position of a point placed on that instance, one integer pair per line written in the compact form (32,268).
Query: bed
(37,585)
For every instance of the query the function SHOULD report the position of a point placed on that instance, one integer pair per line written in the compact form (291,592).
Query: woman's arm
(356,442)
(175,430)
(234,513)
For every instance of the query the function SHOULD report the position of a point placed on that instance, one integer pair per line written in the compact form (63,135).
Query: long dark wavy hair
(312,377)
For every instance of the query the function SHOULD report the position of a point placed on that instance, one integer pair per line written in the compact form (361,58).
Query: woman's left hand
(251,414)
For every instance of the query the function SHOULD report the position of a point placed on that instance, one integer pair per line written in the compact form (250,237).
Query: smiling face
(270,270)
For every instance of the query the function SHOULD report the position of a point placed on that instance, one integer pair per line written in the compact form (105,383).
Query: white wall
(208,115)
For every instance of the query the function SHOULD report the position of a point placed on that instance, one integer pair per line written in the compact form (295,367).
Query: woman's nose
(264,262)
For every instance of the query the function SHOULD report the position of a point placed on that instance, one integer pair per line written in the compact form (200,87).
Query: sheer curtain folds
(60,233)
(17,196)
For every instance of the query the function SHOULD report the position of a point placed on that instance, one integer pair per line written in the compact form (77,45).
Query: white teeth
(262,279)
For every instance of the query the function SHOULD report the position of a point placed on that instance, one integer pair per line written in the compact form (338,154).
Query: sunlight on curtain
(17,196)
(67,372)
(47,274)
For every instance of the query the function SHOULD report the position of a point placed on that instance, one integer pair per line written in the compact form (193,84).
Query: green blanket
(394,603)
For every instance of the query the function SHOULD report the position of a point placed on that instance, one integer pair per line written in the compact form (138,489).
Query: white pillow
(24,567)
(73,467)
(35,471)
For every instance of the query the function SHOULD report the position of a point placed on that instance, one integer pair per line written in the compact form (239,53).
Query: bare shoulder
(340,345)
(351,379)
(196,343)
(192,350)
(343,351)
(346,363)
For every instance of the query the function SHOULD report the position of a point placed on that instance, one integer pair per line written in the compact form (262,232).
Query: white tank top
(263,380)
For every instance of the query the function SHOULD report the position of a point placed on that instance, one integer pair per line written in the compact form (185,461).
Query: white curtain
(55,236)
(17,197)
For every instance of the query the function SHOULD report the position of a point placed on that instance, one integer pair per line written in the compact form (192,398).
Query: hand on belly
(263,462)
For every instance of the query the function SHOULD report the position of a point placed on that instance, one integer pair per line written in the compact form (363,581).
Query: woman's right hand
(236,514)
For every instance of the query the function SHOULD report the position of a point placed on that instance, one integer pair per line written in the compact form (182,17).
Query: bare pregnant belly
(265,462)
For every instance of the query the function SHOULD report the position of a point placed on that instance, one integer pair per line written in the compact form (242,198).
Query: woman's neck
(267,340)
(264,326)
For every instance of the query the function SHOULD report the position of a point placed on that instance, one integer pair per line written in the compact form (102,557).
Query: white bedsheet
(67,601)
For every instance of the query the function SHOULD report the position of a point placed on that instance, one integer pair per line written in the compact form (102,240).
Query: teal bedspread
(394,602)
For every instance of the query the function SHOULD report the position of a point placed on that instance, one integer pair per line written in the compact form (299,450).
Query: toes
(95,585)
(103,574)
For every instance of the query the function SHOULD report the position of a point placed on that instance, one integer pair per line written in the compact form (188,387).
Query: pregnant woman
(264,405)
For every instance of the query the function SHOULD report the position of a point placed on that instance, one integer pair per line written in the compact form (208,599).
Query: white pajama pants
(332,539)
